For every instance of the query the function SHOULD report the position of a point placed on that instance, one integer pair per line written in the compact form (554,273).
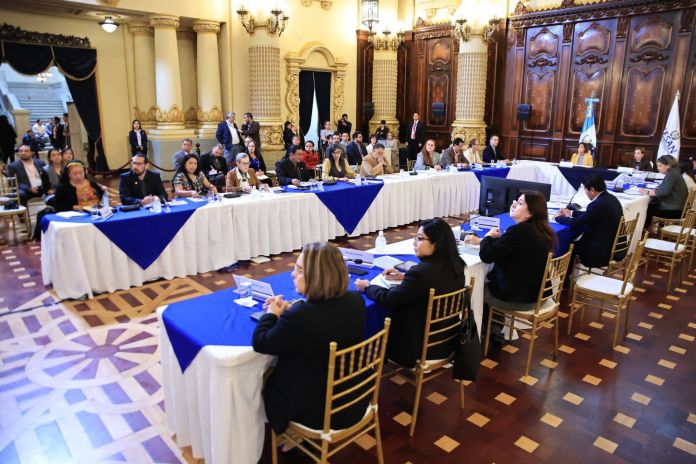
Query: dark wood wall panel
(634,55)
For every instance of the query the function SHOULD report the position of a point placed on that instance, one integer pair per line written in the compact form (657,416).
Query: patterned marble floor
(80,381)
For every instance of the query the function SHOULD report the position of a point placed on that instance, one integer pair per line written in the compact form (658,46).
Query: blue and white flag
(670,141)
(589,132)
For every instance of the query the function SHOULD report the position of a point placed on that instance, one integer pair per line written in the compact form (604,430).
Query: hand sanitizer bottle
(381,242)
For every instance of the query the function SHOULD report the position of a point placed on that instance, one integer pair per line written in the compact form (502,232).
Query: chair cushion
(674,229)
(601,284)
(546,307)
(662,245)
(7,212)
(527,308)
(332,432)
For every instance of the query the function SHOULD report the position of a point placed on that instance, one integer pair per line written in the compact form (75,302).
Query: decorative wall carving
(206,27)
(590,59)
(594,38)
(164,21)
(325,4)
(145,116)
(648,57)
(568,29)
(140,28)
(622,26)
(543,42)
(17,34)
(271,137)
(469,133)
(212,115)
(173,115)
(584,84)
(541,62)
(687,19)
(191,114)
(654,33)
(520,34)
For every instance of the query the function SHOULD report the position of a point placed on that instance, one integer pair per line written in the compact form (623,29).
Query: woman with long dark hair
(137,138)
(336,166)
(54,168)
(427,157)
(189,180)
(440,268)
(288,134)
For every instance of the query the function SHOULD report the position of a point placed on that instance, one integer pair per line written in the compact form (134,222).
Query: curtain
(79,66)
(306,99)
(322,88)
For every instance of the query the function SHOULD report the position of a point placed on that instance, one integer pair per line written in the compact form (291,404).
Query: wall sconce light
(386,40)
(276,23)
(491,28)
(369,13)
(461,30)
(108,24)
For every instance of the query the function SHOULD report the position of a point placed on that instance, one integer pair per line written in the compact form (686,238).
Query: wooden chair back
(686,226)
(690,204)
(552,283)
(9,188)
(624,236)
(410,164)
(362,362)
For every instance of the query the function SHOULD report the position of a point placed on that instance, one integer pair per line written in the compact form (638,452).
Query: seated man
(375,164)
(491,153)
(186,149)
(291,169)
(32,180)
(454,155)
(214,165)
(598,224)
(241,178)
(140,185)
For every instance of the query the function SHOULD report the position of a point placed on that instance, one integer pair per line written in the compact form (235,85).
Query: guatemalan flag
(670,143)
(589,132)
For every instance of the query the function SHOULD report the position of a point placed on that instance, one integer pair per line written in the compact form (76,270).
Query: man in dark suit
(252,129)
(32,180)
(344,125)
(214,166)
(491,153)
(355,150)
(291,169)
(598,224)
(140,185)
(416,133)
(228,135)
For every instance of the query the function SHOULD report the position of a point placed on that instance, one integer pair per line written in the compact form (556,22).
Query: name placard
(484,222)
(357,257)
(105,212)
(566,164)
(259,290)
(624,169)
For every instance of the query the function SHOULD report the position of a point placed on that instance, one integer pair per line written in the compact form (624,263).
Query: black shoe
(228,269)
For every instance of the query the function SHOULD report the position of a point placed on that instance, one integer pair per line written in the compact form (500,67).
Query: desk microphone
(574,206)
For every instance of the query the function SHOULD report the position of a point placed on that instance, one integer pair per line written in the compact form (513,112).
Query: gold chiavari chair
(671,253)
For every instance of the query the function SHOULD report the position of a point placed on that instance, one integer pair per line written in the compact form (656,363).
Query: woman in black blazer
(440,268)
(299,334)
(137,138)
(519,255)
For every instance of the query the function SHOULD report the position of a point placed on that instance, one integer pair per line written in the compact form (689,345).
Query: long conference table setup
(85,255)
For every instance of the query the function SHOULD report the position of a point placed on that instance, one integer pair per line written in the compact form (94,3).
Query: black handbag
(467,352)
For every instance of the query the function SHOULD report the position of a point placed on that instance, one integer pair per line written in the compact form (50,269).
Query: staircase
(41,109)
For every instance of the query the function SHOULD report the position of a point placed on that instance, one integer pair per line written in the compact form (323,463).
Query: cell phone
(405,266)
(356,271)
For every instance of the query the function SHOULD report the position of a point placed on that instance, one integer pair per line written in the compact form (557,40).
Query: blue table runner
(347,202)
(141,235)
(215,319)
(575,176)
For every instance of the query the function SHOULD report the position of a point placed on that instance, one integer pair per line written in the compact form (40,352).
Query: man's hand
(147,200)
(361,284)
(565,212)
(296,182)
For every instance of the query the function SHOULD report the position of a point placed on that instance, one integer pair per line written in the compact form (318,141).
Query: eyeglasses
(418,238)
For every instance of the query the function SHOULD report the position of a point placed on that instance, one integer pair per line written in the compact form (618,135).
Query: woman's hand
(104,188)
(194,194)
(472,240)
(361,284)
(437,167)
(276,305)
(393,274)
(494,232)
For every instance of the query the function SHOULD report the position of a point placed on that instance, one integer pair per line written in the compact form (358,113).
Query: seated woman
(440,268)
(189,180)
(67,155)
(687,170)
(310,156)
(519,255)
(427,157)
(75,191)
(472,155)
(300,333)
(583,157)
(373,142)
(640,162)
(669,197)
(54,169)
(336,166)
(242,178)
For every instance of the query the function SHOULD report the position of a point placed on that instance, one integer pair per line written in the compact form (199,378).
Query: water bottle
(358,180)
(381,242)
(167,208)
(105,200)
(156,205)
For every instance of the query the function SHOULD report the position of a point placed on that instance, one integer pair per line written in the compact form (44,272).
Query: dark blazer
(672,192)
(645,164)
(491,155)
(17,168)
(131,189)
(253,130)
(66,196)
(262,163)
(519,256)
(598,226)
(296,389)
(59,136)
(224,136)
(133,139)
(356,152)
(208,161)
(410,302)
(286,171)
(420,133)
(344,128)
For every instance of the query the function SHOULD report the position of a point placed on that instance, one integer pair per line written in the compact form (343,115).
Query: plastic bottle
(105,200)
(358,180)
(381,242)
(156,205)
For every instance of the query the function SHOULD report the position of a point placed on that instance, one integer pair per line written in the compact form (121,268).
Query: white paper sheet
(386,262)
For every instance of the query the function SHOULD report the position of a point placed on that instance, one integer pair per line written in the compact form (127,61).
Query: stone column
(144,58)
(208,111)
(170,114)
(264,89)
(385,70)
(471,90)
(187,71)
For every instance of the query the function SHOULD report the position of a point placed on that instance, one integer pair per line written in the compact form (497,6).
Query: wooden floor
(80,381)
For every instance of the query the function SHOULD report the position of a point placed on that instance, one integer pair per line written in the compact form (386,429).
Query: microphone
(574,206)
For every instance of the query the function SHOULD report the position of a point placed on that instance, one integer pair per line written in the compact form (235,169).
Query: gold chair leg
(616,326)
(416,403)
(571,310)
(324,452)
(531,348)
(669,281)
(555,340)
(274,447)
(461,394)
(378,439)
(627,309)
(488,331)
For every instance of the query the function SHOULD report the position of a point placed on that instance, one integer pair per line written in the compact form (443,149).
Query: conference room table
(212,378)
(83,256)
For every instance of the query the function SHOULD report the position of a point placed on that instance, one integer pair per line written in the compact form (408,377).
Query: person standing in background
(344,125)
(137,138)
(415,137)
(8,138)
(252,129)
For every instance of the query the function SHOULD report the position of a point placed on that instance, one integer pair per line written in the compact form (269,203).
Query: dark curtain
(78,65)
(306,99)
(322,85)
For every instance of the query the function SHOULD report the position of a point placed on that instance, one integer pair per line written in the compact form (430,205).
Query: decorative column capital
(140,28)
(164,22)
(201,27)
